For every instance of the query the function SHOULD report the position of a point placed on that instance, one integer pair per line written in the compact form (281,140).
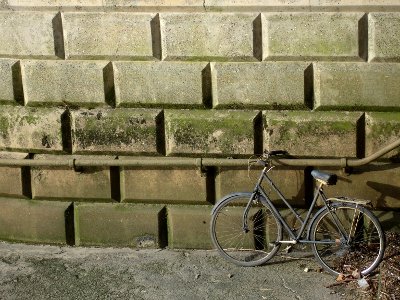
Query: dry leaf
(340,277)
(356,274)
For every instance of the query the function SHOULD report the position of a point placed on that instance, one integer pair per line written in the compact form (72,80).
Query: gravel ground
(52,272)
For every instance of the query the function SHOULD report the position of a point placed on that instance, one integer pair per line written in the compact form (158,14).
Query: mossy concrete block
(63,183)
(219,133)
(11,177)
(317,134)
(384,37)
(75,83)
(290,183)
(311,36)
(7,78)
(172,185)
(111,35)
(189,227)
(378,183)
(160,83)
(33,221)
(100,224)
(382,128)
(115,131)
(266,85)
(30,129)
(207,36)
(29,33)
(357,86)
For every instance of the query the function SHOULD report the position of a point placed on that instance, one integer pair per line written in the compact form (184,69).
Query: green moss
(4,127)
(342,127)
(384,125)
(119,128)
(205,131)
(383,130)
(291,127)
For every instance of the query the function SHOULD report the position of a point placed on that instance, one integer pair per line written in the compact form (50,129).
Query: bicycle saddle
(325,178)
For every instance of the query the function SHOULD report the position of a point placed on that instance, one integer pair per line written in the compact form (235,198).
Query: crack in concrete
(285,285)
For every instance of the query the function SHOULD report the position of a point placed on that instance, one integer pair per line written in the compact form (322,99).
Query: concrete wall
(108,79)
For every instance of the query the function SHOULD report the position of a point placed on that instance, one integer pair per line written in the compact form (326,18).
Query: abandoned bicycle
(246,228)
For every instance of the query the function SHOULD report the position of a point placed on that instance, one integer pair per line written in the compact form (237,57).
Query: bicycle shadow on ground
(296,253)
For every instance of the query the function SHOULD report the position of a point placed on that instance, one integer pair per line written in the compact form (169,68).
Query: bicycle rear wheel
(250,247)
(360,249)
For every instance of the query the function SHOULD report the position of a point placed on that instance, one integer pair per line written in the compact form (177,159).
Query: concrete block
(212,5)
(55,3)
(382,129)
(358,86)
(75,83)
(384,38)
(33,221)
(11,177)
(318,134)
(160,83)
(290,183)
(189,227)
(208,36)
(115,131)
(30,129)
(110,35)
(99,224)
(376,182)
(385,5)
(311,36)
(27,34)
(220,4)
(227,133)
(172,185)
(8,75)
(266,85)
(63,183)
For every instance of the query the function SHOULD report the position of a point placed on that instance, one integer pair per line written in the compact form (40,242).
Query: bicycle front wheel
(350,238)
(250,247)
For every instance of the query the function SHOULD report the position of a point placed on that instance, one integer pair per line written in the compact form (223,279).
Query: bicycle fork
(245,225)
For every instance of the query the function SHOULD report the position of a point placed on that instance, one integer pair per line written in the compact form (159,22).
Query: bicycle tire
(242,248)
(366,245)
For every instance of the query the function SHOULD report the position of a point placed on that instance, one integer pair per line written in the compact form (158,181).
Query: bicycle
(345,237)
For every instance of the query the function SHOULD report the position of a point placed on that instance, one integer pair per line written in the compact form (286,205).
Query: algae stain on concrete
(4,127)
(219,133)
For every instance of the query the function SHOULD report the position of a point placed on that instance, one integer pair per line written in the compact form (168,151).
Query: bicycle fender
(227,197)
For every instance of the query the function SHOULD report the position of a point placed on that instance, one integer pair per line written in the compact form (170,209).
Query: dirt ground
(52,272)
(384,283)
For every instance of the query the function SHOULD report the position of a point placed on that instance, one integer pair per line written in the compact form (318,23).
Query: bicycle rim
(245,248)
(362,252)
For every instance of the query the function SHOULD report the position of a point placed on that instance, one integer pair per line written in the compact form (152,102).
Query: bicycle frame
(259,190)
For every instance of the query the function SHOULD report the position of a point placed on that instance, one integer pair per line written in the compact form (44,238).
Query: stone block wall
(229,79)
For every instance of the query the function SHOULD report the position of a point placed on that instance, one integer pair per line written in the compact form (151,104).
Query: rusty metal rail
(195,162)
